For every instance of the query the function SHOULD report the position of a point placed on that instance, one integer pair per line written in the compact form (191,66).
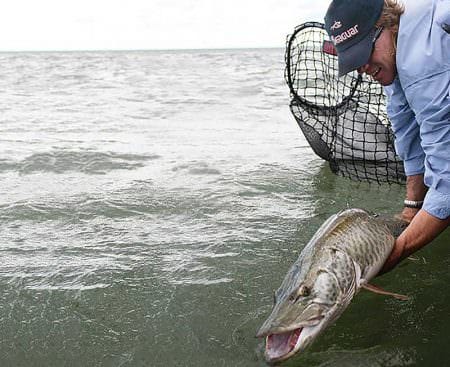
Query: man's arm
(423,229)
(432,109)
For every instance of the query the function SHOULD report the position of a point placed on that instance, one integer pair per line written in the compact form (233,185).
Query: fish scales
(347,251)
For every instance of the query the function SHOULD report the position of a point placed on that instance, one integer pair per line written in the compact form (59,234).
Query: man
(406,48)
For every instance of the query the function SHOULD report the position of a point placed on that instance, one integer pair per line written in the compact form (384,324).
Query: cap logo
(349,33)
(336,25)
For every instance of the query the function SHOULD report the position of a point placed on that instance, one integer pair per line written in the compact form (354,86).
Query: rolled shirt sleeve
(437,204)
(431,100)
(423,135)
(406,130)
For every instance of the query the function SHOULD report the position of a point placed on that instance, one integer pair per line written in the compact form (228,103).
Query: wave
(88,162)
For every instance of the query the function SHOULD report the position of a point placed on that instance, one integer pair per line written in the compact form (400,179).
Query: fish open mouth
(281,346)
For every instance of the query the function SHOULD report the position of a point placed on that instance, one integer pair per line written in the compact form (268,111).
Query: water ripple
(88,162)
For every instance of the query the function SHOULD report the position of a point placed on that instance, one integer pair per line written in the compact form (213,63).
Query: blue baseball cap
(351,26)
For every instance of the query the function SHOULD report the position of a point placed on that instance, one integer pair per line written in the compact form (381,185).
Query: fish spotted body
(347,251)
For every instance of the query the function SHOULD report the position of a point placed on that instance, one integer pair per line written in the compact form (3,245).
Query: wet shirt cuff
(437,204)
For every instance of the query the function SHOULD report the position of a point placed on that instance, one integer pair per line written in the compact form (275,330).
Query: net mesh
(344,119)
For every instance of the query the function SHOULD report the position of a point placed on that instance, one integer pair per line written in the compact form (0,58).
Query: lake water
(150,203)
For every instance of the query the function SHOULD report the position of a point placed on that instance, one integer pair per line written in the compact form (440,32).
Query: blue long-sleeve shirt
(419,99)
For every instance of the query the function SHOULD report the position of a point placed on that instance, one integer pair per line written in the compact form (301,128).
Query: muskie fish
(347,251)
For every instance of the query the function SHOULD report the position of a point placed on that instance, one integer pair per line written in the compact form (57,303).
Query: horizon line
(142,50)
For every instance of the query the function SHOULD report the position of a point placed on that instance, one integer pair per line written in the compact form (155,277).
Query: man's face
(381,65)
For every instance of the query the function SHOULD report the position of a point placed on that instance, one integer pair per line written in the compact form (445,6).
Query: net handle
(290,82)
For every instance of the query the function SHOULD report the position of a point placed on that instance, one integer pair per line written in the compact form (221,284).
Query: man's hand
(394,258)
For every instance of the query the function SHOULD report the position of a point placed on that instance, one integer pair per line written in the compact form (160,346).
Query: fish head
(299,315)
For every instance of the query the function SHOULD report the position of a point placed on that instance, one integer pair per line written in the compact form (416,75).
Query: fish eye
(304,291)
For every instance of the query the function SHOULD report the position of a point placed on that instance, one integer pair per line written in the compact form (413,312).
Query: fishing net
(344,119)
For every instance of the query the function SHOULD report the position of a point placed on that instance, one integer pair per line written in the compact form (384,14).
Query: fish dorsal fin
(378,290)
(340,219)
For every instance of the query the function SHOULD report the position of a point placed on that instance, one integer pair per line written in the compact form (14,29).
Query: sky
(30,25)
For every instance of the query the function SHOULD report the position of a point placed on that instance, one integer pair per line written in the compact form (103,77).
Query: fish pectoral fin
(378,290)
